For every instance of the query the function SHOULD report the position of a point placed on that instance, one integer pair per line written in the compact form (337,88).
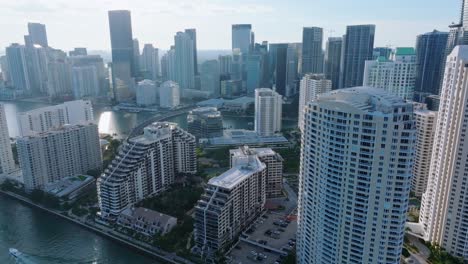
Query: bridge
(138,130)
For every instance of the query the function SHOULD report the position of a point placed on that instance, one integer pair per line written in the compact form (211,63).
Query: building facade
(145,165)
(358,45)
(46,118)
(146,93)
(230,203)
(396,75)
(268,112)
(205,122)
(58,153)
(310,87)
(312,52)
(355,177)
(7,163)
(241,34)
(333,60)
(426,122)
(442,215)
(169,95)
(273,162)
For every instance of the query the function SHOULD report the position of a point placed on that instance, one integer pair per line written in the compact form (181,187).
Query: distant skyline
(85,23)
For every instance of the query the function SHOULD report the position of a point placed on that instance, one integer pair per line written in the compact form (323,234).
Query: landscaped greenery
(221,156)
(175,202)
(111,151)
(439,256)
(291,158)
(290,259)
(176,240)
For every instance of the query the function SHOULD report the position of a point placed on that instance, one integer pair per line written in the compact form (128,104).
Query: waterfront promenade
(147,249)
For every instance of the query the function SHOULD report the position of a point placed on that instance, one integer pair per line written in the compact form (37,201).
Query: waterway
(120,122)
(47,239)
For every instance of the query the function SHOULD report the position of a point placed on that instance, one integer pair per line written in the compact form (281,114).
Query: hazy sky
(73,23)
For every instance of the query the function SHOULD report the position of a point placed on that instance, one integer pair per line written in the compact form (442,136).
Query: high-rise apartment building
(241,34)
(312,52)
(63,152)
(310,87)
(46,118)
(254,72)
(358,45)
(384,52)
(120,26)
(442,215)
(268,112)
(333,60)
(38,34)
(85,82)
(426,122)
(169,95)
(274,165)
(146,165)
(205,122)
(193,35)
(396,75)
(430,57)
(150,62)
(59,78)
(355,177)
(7,163)
(184,60)
(230,203)
(136,56)
(225,64)
(84,63)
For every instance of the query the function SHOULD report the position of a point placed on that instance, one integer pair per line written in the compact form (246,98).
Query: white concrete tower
(268,111)
(355,177)
(444,214)
(311,86)
(7,164)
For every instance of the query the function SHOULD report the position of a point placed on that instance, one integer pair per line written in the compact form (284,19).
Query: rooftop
(148,215)
(245,137)
(365,98)
(239,173)
(406,51)
(68,185)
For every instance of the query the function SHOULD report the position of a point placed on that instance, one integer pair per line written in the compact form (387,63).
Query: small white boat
(14,252)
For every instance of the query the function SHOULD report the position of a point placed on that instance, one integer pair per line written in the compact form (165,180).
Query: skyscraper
(292,68)
(458,34)
(312,53)
(430,57)
(442,215)
(241,34)
(17,66)
(396,75)
(184,61)
(254,73)
(193,35)
(59,78)
(62,152)
(426,122)
(225,64)
(150,62)
(146,165)
(268,112)
(37,34)
(7,163)
(146,93)
(310,87)
(278,66)
(210,77)
(85,82)
(136,56)
(355,177)
(123,69)
(384,52)
(358,45)
(333,60)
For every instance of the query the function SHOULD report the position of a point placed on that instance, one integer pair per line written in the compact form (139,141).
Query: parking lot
(245,253)
(274,230)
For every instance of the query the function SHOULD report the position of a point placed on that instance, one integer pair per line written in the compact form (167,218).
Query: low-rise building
(205,122)
(70,188)
(146,221)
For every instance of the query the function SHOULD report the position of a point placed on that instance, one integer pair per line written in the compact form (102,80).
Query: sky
(84,23)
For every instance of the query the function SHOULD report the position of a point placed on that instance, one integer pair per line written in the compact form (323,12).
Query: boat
(14,252)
